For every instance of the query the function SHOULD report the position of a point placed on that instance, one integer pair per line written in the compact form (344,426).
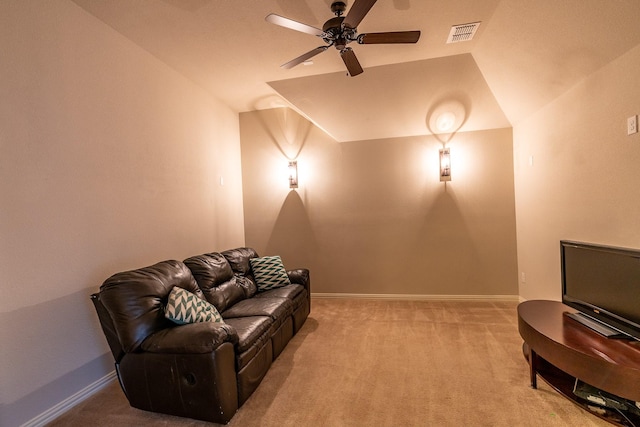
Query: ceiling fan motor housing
(336,34)
(333,25)
(338,7)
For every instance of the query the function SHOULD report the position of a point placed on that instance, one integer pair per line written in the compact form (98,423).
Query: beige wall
(584,183)
(109,160)
(371,217)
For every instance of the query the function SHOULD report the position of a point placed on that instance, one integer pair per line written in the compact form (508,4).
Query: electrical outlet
(632,125)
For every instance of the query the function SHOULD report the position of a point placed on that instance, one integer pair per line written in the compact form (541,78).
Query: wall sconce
(293,174)
(445,164)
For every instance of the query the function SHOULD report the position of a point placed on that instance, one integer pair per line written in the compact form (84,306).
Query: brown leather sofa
(201,370)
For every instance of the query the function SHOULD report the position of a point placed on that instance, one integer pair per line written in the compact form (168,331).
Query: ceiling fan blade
(390,37)
(357,12)
(300,59)
(293,25)
(350,60)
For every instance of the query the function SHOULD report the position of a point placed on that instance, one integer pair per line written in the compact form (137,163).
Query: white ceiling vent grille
(462,33)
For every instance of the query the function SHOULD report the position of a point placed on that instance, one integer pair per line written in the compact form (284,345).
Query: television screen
(604,283)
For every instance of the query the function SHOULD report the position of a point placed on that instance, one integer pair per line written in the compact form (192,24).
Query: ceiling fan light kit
(339,31)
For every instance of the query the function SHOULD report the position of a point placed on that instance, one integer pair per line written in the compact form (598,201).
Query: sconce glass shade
(293,174)
(445,164)
(446,121)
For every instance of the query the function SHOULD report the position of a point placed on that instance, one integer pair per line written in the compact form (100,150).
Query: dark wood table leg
(533,365)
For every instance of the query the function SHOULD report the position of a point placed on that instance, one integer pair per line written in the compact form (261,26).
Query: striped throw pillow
(269,272)
(184,307)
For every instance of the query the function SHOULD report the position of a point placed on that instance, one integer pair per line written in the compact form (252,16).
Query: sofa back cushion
(239,260)
(135,299)
(216,280)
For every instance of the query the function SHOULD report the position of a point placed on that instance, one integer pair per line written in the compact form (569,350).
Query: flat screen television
(603,284)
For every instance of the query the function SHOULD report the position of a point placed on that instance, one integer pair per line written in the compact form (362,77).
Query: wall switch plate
(632,125)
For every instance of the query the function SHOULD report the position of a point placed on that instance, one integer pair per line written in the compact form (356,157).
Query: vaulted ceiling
(524,55)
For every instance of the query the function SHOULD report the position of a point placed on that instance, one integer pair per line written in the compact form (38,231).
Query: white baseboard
(71,401)
(410,297)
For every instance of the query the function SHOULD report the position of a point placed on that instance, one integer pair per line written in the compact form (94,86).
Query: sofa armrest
(301,277)
(202,337)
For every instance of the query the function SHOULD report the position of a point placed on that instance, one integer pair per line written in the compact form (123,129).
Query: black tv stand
(599,327)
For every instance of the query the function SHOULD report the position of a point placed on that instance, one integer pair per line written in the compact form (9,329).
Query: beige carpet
(384,363)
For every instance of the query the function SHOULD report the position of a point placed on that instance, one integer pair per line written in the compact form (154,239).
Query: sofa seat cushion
(297,294)
(278,309)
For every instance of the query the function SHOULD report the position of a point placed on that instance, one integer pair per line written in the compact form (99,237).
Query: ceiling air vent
(462,33)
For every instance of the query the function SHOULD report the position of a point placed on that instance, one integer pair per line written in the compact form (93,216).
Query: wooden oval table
(560,349)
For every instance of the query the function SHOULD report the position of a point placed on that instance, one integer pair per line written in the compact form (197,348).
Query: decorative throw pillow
(269,272)
(184,307)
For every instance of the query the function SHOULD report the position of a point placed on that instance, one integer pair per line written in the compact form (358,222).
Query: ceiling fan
(340,31)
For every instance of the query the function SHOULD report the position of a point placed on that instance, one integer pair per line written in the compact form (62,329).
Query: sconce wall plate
(445,164)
